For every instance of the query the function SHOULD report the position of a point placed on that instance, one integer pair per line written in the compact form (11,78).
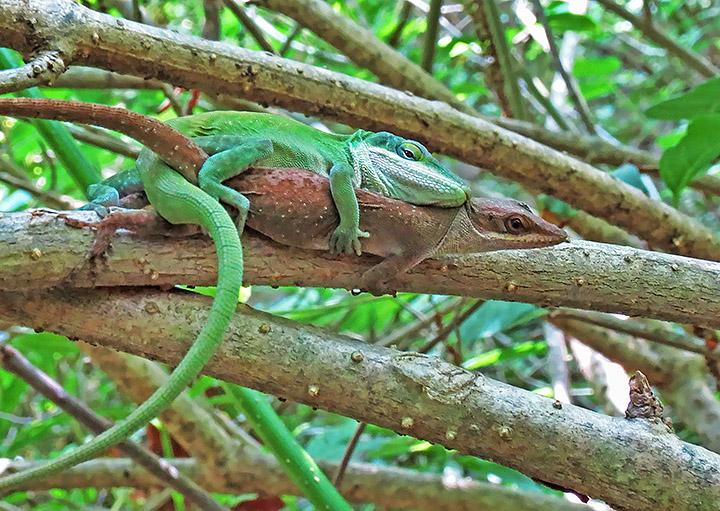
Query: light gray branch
(38,250)
(40,71)
(628,463)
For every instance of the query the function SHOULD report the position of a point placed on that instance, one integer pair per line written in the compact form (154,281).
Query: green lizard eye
(410,151)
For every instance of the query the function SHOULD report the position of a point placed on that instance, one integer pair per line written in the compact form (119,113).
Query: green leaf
(508,477)
(45,342)
(521,350)
(596,67)
(693,155)
(702,100)
(598,88)
(565,21)
(495,316)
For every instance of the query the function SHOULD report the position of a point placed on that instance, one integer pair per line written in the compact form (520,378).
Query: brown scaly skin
(294,207)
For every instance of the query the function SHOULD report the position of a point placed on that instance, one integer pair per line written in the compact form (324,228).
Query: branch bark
(231,464)
(102,41)
(407,392)
(37,251)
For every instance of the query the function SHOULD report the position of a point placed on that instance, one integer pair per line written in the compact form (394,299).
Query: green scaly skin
(178,201)
(378,162)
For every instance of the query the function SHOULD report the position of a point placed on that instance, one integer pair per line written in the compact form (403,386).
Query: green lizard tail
(182,202)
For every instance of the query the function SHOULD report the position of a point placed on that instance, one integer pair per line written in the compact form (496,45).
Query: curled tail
(179,202)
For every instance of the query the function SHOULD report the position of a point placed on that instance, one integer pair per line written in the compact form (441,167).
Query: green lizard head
(404,169)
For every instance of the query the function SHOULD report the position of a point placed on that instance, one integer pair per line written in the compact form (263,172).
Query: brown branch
(362,47)
(409,393)
(655,331)
(37,251)
(234,463)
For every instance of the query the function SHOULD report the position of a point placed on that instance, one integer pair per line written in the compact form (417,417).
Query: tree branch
(37,251)
(409,393)
(196,63)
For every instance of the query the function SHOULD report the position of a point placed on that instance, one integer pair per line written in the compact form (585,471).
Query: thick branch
(409,393)
(232,465)
(196,63)
(37,251)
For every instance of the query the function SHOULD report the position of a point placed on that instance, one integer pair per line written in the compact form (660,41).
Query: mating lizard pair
(186,186)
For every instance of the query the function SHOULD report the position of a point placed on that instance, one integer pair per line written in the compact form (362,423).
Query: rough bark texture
(37,250)
(631,464)
(236,464)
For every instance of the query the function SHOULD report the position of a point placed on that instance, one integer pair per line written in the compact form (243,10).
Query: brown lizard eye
(515,224)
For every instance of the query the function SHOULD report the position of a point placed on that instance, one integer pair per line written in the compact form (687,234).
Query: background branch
(139,49)
(409,393)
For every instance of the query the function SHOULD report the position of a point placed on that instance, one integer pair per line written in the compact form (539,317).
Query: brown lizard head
(484,224)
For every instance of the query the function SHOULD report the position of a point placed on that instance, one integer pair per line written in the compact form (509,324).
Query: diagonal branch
(409,393)
(207,65)
(661,38)
(13,361)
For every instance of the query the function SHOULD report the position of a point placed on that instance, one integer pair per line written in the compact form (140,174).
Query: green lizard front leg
(232,154)
(345,238)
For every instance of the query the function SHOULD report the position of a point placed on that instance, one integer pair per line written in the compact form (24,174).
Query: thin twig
(578,100)
(655,331)
(430,37)
(251,27)
(403,18)
(456,322)
(411,330)
(509,67)
(13,361)
(352,444)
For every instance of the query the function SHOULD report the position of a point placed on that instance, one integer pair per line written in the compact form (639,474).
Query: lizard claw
(346,241)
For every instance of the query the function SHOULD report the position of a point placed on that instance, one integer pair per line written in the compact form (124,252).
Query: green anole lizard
(379,162)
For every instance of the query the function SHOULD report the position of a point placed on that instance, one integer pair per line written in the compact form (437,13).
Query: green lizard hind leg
(108,193)
(178,201)
(345,239)
(229,163)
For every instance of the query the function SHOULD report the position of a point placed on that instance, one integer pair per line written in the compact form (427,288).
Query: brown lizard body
(294,207)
